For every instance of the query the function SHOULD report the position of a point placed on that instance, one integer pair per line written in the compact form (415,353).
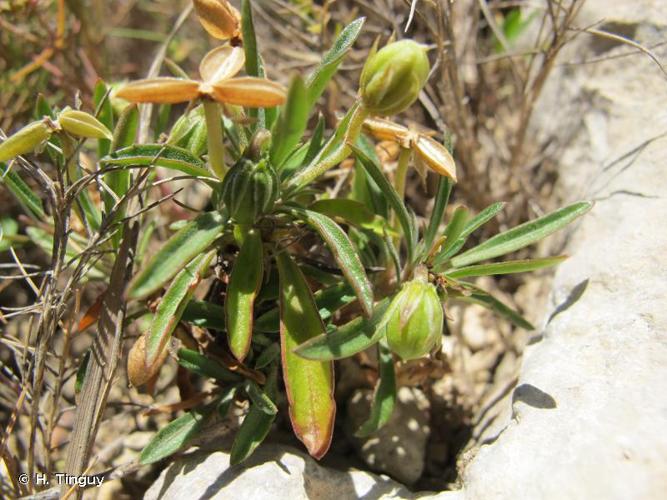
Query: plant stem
(399,184)
(216,148)
(324,162)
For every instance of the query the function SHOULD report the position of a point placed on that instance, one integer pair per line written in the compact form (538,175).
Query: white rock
(588,418)
(399,447)
(271,473)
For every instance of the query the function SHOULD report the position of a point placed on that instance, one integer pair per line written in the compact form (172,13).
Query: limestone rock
(398,448)
(272,472)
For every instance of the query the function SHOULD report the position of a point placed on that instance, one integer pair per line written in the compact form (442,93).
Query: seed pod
(414,322)
(138,372)
(393,77)
(81,124)
(25,140)
(249,190)
(219,18)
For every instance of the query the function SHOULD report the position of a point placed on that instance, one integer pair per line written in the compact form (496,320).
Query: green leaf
(205,315)
(104,113)
(328,301)
(291,124)
(523,235)
(196,237)
(170,308)
(9,229)
(485,299)
(81,372)
(318,80)
(267,356)
(256,425)
(384,396)
(439,207)
(30,202)
(260,399)
(472,225)
(226,400)
(309,384)
(353,212)
(244,284)
(347,340)
(201,365)
(509,267)
(344,253)
(175,435)
(158,155)
(253,62)
(315,143)
(374,171)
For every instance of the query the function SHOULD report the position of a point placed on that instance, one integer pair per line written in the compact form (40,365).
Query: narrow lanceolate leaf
(345,254)
(523,235)
(205,315)
(25,196)
(291,124)
(173,302)
(260,399)
(483,298)
(256,425)
(349,339)
(191,240)
(309,384)
(158,155)
(353,212)
(374,171)
(384,396)
(202,365)
(25,140)
(82,124)
(452,234)
(161,90)
(244,284)
(439,207)
(104,113)
(318,80)
(471,226)
(175,435)
(328,301)
(509,267)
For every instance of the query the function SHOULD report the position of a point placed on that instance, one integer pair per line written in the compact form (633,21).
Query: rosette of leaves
(292,278)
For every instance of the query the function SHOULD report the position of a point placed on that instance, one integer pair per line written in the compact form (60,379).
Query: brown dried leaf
(436,156)
(219,18)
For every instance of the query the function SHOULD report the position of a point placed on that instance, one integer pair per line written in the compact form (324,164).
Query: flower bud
(249,190)
(414,325)
(393,77)
(25,140)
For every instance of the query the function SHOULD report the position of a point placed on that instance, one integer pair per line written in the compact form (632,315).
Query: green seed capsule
(25,140)
(414,325)
(249,190)
(393,77)
(82,124)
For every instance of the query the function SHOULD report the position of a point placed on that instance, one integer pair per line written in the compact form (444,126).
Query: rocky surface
(272,472)
(398,448)
(587,417)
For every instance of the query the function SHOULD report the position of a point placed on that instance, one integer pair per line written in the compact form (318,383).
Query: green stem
(399,184)
(324,162)
(216,148)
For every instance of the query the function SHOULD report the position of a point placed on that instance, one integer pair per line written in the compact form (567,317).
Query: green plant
(282,306)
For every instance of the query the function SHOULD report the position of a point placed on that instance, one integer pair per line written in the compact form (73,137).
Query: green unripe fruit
(249,190)
(393,77)
(26,140)
(414,325)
